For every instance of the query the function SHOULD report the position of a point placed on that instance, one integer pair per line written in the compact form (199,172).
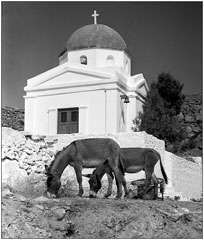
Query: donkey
(134,160)
(85,153)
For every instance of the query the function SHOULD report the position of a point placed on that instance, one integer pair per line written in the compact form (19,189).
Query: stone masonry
(25,155)
(192,117)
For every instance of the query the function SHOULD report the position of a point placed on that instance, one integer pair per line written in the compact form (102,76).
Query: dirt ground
(74,217)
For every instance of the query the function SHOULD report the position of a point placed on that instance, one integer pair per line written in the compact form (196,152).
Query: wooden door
(68,120)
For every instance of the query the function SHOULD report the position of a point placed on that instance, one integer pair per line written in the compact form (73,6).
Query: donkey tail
(163,172)
(121,166)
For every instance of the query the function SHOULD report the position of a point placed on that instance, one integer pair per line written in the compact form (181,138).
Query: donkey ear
(46,169)
(86,175)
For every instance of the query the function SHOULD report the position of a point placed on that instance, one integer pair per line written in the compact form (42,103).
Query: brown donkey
(85,153)
(134,160)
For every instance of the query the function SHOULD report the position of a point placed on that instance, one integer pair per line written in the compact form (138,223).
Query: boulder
(12,175)
(196,129)
(10,155)
(56,225)
(6,192)
(12,137)
(59,213)
(189,119)
(41,199)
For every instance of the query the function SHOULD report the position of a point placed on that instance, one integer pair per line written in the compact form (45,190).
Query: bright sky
(160,36)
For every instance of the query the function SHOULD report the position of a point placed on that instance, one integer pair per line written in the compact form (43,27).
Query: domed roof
(96,35)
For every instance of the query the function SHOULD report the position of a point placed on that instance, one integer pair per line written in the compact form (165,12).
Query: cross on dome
(95,15)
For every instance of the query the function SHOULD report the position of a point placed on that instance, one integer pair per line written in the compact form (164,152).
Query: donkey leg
(155,181)
(110,184)
(124,185)
(78,170)
(118,178)
(148,181)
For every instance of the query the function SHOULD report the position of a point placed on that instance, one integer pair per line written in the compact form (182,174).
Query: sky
(160,37)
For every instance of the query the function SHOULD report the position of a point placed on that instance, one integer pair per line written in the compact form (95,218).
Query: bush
(162,106)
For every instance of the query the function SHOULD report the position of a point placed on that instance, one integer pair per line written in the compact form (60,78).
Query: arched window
(110,60)
(83,60)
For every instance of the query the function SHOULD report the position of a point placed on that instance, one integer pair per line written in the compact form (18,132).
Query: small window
(83,60)
(74,116)
(110,60)
(63,116)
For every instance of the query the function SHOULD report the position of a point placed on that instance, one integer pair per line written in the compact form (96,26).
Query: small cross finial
(95,15)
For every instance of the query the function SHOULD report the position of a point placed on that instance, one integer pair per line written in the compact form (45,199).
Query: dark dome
(96,35)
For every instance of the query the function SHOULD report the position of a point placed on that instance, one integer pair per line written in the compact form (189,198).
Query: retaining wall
(185,177)
(31,153)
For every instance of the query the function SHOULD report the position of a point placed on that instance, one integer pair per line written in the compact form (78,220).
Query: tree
(163,104)
(170,90)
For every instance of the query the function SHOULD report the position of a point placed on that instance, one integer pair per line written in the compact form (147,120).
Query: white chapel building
(91,91)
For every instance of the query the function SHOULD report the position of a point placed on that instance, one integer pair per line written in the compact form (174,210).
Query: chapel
(90,91)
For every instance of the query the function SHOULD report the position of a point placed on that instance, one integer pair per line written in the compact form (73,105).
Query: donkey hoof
(107,195)
(126,195)
(92,196)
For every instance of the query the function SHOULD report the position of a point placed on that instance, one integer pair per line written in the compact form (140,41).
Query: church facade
(91,91)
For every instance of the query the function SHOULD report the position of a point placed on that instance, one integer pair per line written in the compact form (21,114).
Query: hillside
(30,216)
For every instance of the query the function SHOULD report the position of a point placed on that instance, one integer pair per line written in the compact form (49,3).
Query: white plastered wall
(44,119)
(98,58)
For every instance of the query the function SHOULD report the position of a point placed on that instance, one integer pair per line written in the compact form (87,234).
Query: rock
(51,151)
(24,156)
(180,117)
(198,118)
(12,175)
(12,137)
(51,140)
(12,118)
(189,129)
(189,119)
(37,137)
(135,234)
(46,157)
(10,155)
(41,199)
(40,169)
(35,157)
(68,202)
(196,129)
(41,145)
(39,207)
(34,168)
(6,192)
(28,171)
(67,208)
(28,151)
(59,213)
(30,162)
(56,225)
(23,199)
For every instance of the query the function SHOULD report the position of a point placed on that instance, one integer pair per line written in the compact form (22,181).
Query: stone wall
(25,155)
(192,117)
(33,152)
(12,117)
(185,177)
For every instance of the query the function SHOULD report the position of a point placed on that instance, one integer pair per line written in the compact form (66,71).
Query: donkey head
(94,184)
(53,183)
